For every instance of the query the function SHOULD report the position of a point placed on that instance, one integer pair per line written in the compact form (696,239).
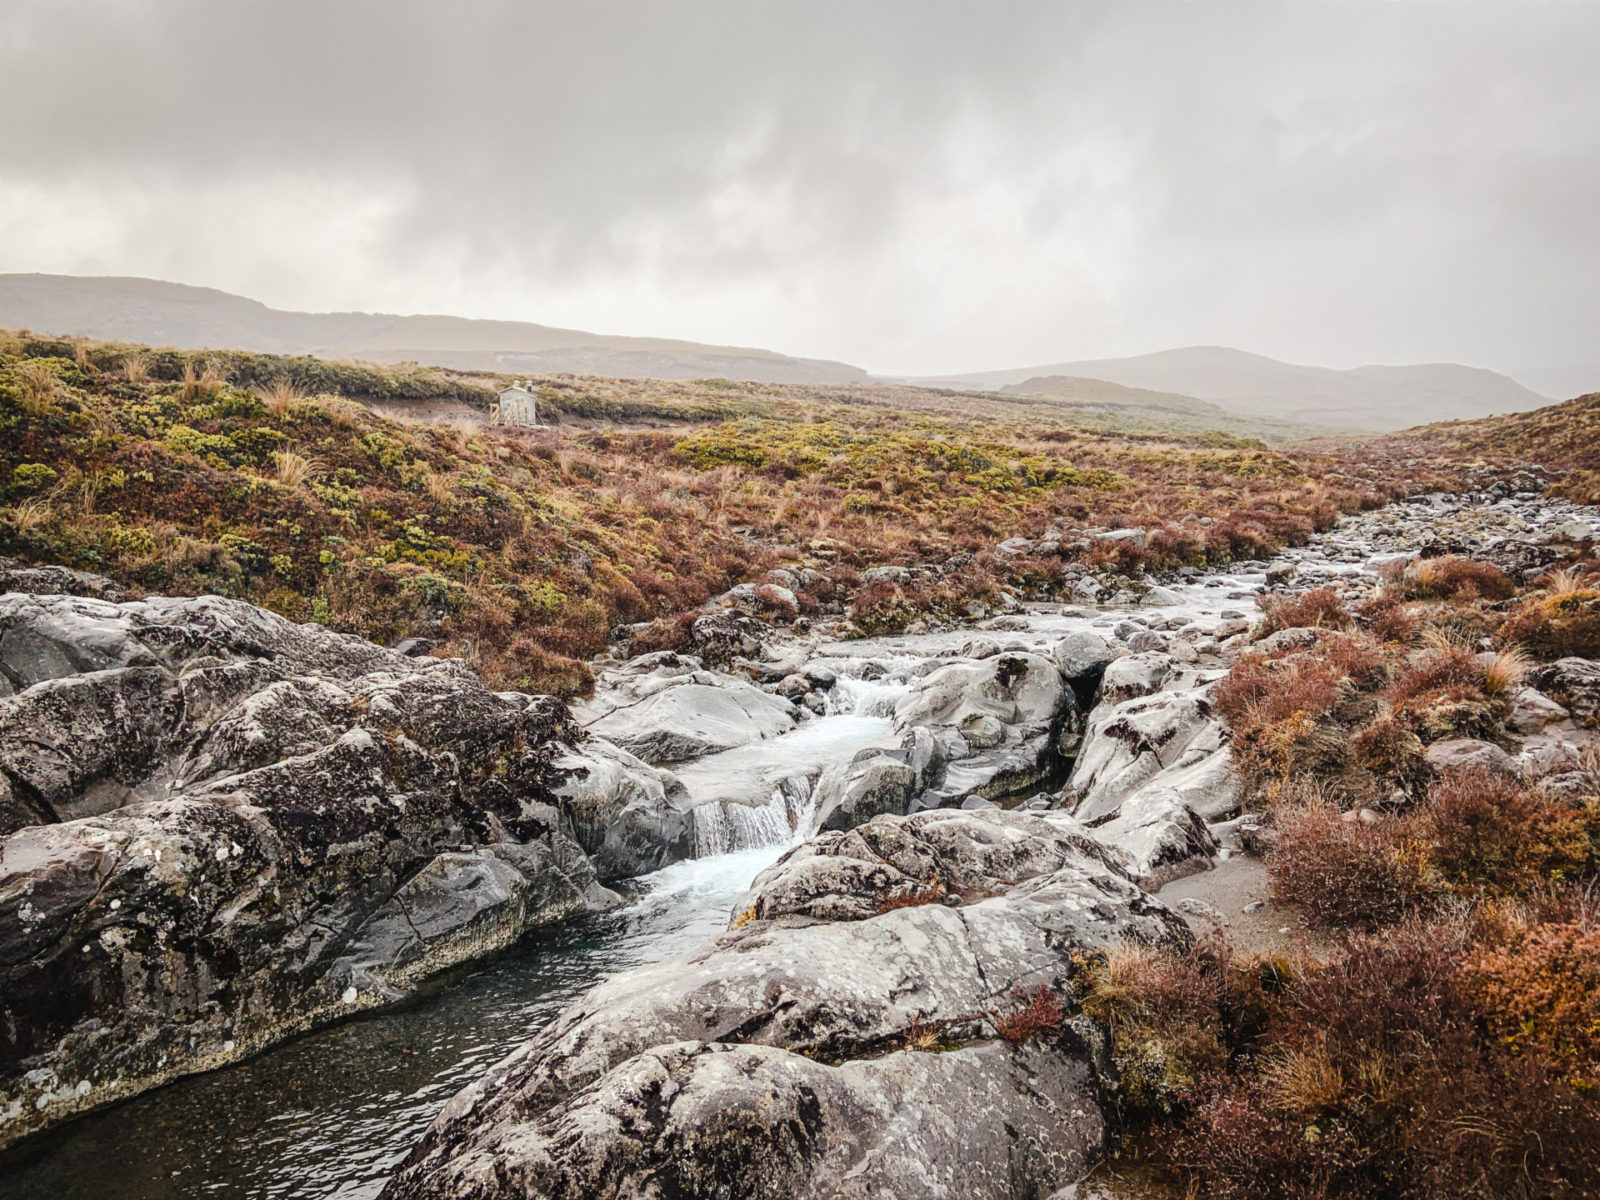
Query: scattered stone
(1458,753)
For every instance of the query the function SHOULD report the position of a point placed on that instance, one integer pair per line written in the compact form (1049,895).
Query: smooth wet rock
(693,715)
(1134,676)
(881,783)
(1153,770)
(786,1060)
(1000,722)
(622,811)
(1082,654)
(233,828)
(1147,640)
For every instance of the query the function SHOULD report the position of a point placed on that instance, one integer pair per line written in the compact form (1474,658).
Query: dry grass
(1303,1081)
(202,383)
(438,488)
(135,368)
(38,385)
(281,398)
(1504,673)
(88,493)
(1565,582)
(30,516)
(293,468)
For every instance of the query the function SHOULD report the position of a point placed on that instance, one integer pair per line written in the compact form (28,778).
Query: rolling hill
(151,312)
(1128,407)
(1372,397)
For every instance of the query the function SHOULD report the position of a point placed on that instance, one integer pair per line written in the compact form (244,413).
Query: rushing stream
(331,1113)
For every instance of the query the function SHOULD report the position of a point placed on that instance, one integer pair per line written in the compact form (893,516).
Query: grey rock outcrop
(626,814)
(797,1055)
(1082,653)
(1462,753)
(225,828)
(999,724)
(1154,769)
(50,580)
(1573,682)
(665,709)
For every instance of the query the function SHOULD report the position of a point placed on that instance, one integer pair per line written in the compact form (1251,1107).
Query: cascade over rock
(794,1045)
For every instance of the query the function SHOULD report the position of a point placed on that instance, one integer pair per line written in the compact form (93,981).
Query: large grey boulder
(935,855)
(805,1056)
(675,712)
(1082,655)
(1171,739)
(223,828)
(1154,769)
(1134,676)
(627,815)
(1000,724)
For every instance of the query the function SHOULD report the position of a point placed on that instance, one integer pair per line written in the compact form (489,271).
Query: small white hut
(516,405)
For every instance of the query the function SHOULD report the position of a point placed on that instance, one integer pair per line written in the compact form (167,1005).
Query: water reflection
(330,1114)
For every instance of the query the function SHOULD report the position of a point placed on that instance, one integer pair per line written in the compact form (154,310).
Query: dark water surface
(331,1113)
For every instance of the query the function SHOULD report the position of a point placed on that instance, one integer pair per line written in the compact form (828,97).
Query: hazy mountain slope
(1131,407)
(1575,379)
(1375,397)
(169,314)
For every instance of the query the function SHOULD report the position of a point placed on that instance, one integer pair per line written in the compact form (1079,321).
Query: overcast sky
(916,187)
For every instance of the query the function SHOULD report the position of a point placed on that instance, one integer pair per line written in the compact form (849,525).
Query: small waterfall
(865,697)
(726,826)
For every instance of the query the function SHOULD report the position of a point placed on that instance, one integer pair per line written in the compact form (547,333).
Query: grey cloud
(916,186)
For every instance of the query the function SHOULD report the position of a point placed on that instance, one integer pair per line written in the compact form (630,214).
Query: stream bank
(352,1099)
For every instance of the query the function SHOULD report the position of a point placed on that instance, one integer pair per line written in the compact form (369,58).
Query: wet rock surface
(788,1042)
(223,828)
(852,1053)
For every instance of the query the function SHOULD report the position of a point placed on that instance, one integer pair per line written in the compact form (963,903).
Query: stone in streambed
(788,1059)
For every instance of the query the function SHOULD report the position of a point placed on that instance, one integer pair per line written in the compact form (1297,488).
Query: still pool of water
(331,1113)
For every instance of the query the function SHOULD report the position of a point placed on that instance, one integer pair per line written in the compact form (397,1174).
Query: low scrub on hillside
(300,485)
(1449,1057)
(1444,1038)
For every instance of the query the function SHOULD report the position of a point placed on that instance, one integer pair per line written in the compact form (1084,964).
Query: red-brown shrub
(1318,609)
(1388,619)
(1382,1082)
(1561,625)
(1339,874)
(1540,990)
(1037,1013)
(1488,833)
(1456,579)
(665,633)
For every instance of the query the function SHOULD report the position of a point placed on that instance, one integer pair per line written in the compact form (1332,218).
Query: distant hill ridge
(1193,382)
(1371,397)
(151,312)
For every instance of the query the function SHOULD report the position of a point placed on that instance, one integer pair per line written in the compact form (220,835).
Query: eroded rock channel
(223,830)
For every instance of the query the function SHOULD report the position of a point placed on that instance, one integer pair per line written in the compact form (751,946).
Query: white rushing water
(330,1114)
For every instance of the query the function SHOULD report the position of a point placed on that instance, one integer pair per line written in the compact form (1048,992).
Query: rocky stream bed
(286,914)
